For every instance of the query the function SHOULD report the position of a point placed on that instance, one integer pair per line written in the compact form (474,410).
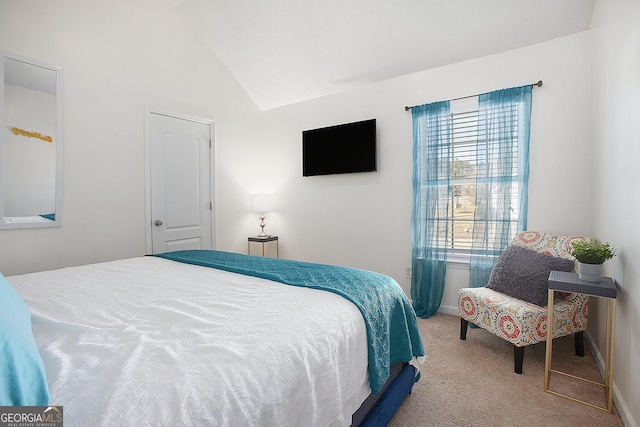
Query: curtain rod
(539,84)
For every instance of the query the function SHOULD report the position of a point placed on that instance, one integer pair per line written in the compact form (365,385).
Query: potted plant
(591,254)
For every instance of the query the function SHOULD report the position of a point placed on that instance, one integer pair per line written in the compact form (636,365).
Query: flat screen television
(346,148)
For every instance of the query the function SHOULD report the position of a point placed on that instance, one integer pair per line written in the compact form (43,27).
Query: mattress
(149,341)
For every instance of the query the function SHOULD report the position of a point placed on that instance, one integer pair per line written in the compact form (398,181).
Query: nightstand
(569,282)
(263,241)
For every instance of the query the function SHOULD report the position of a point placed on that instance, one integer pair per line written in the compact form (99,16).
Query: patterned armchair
(520,322)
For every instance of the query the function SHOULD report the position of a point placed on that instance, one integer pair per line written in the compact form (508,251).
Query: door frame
(147,169)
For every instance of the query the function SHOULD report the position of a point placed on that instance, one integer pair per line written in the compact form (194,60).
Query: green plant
(591,251)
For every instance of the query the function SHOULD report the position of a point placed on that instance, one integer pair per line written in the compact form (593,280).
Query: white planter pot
(590,272)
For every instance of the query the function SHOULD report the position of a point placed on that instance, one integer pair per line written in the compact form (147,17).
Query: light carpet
(472,383)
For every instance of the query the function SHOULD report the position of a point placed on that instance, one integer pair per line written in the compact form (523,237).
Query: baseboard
(448,310)
(621,405)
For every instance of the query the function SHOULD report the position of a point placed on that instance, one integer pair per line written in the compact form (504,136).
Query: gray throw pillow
(523,274)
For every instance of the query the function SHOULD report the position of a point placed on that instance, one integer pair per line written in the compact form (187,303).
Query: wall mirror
(30,143)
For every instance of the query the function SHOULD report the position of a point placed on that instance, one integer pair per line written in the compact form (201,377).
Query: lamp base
(262,234)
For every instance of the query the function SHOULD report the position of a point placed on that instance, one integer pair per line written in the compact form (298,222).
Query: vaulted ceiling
(286,51)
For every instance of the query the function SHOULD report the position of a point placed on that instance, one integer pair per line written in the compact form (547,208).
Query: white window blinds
(471,160)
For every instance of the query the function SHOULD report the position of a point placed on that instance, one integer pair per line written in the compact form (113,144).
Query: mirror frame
(59,141)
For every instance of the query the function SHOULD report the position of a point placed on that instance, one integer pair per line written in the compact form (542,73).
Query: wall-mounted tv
(346,148)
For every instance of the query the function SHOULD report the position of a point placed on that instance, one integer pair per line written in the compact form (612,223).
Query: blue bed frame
(379,408)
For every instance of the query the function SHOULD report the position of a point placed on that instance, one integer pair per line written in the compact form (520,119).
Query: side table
(569,282)
(263,240)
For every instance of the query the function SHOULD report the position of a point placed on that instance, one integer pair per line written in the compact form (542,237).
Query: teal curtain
(504,118)
(431,199)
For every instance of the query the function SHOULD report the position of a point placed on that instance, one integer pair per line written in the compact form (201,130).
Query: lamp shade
(262,202)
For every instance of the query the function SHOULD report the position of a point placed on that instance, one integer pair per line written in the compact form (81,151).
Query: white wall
(363,220)
(117,57)
(616,126)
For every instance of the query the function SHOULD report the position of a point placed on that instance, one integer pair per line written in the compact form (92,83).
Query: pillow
(21,368)
(523,274)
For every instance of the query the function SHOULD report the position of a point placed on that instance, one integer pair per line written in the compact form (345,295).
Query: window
(474,157)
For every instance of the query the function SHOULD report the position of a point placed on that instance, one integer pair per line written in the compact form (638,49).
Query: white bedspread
(24,219)
(147,341)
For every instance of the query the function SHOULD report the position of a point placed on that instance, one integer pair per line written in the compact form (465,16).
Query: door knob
(158,222)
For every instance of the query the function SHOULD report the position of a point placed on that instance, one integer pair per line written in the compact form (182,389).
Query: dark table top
(569,282)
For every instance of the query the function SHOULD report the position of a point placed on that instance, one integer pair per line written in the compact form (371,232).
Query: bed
(46,218)
(215,338)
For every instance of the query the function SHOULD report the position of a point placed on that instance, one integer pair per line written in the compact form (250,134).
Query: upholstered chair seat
(520,322)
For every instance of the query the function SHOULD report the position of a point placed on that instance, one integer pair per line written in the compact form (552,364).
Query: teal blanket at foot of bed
(392,327)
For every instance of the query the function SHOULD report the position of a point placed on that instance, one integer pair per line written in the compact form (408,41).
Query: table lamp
(262,203)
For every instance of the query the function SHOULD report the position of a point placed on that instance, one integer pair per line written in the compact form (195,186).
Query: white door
(180,181)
